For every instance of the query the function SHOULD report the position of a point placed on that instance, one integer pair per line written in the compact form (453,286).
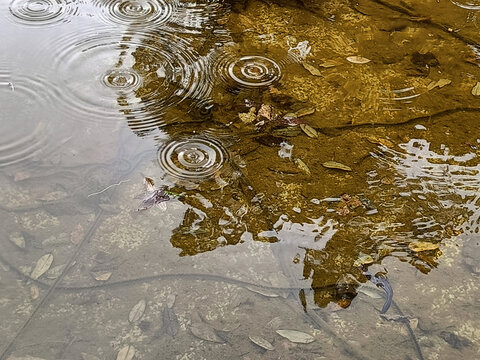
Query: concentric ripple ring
(41,12)
(254,71)
(145,13)
(193,158)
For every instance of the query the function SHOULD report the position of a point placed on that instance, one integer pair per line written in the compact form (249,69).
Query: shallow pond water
(239,179)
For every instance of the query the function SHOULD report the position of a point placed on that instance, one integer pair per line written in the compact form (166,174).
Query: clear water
(189,179)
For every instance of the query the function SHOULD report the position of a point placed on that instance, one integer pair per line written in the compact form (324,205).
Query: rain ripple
(248,71)
(25,99)
(140,75)
(193,158)
(144,13)
(43,12)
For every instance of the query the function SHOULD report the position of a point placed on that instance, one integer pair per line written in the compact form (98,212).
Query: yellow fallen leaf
(302,166)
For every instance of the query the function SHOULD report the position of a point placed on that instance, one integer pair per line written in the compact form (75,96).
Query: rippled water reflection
(291,181)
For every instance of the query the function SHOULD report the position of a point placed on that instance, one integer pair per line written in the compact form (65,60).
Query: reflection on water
(292,181)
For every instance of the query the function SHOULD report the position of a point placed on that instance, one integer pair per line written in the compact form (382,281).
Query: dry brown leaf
(265,111)
(137,311)
(476,89)
(336,165)
(307,129)
(42,266)
(126,353)
(358,59)
(312,69)
(77,234)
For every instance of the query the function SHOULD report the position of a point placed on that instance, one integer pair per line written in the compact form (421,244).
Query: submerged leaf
(358,59)
(336,165)
(42,266)
(170,321)
(17,239)
(126,353)
(296,336)
(422,246)
(257,340)
(205,332)
(476,89)
(137,311)
(302,166)
(102,275)
(312,69)
(307,129)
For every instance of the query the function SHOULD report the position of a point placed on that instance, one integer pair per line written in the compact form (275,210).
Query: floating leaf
(126,353)
(257,340)
(307,129)
(358,59)
(422,246)
(265,111)
(102,275)
(137,311)
(476,89)
(312,69)
(34,292)
(336,165)
(302,166)
(149,184)
(17,239)
(205,332)
(170,321)
(42,266)
(296,336)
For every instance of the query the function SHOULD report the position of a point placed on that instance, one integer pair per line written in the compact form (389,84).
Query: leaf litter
(336,165)
(205,332)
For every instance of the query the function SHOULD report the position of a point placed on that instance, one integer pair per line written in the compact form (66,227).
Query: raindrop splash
(144,13)
(194,158)
(43,12)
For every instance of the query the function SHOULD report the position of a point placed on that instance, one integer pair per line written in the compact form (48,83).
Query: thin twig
(108,187)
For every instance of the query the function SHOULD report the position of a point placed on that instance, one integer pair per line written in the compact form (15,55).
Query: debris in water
(102,275)
(170,321)
(154,195)
(42,266)
(137,311)
(302,166)
(205,332)
(476,89)
(126,353)
(34,292)
(257,340)
(311,69)
(17,239)
(440,83)
(77,234)
(296,336)
(307,129)
(358,59)
(336,165)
